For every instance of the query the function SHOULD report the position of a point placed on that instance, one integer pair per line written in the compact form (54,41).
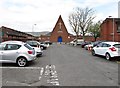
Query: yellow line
(118,62)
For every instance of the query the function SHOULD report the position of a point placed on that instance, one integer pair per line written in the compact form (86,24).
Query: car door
(104,48)
(98,49)
(2,46)
(10,53)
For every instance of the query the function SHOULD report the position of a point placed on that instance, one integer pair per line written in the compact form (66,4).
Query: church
(58,34)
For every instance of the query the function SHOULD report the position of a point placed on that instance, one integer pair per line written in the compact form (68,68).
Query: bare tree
(73,20)
(81,20)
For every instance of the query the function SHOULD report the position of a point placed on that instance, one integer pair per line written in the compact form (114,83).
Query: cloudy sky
(22,15)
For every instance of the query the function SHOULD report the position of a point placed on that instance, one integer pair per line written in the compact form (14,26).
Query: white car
(36,46)
(16,52)
(76,42)
(107,49)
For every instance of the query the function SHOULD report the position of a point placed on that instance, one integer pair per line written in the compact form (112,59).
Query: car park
(36,46)
(107,49)
(16,52)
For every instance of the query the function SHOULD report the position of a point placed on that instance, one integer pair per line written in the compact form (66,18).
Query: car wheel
(93,53)
(107,56)
(21,61)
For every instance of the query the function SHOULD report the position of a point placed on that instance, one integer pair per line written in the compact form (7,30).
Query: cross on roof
(60,24)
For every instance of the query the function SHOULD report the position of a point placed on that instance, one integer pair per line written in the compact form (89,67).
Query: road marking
(12,82)
(23,67)
(51,74)
(41,73)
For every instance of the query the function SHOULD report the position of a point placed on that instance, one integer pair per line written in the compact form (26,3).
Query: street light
(113,28)
(113,31)
(33,30)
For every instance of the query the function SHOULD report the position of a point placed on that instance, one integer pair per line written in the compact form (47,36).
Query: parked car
(88,45)
(92,44)
(85,43)
(16,52)
(79,41)
(71,43)
(76,42)
(43,46)
(36,46)
(107,49)
(48,42)
(96,43)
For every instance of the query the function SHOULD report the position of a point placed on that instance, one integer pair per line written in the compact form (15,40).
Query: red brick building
(59,33)
(110,29)
(11,34)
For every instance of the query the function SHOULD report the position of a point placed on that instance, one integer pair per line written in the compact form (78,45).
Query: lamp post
(33,31)
(113,31)
(113,28)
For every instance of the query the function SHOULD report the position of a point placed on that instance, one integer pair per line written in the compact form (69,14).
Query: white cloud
(22,14)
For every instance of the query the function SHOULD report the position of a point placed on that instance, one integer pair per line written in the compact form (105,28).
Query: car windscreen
(117,45)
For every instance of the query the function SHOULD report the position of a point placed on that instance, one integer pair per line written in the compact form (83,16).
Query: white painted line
(40,78)
(41,71)
(22,67)
(17,83)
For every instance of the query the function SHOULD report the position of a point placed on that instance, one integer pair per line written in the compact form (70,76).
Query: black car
(85,43)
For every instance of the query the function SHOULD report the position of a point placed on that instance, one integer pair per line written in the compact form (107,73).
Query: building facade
(11,34)
(59,33)
(110,29)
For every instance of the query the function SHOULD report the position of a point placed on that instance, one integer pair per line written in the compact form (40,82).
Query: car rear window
(28,46)
(117,45)
(33,44)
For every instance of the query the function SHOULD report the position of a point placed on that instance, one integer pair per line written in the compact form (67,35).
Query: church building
(58,34)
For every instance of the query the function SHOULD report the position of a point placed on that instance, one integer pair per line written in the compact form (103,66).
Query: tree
(73,20)
(81,20)
(95,30)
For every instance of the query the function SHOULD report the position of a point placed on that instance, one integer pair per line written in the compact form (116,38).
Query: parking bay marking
(23,67)
(51,74)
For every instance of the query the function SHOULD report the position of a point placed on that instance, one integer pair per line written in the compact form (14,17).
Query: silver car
(16,52)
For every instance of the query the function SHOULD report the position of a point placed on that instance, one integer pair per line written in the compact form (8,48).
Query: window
(2,46)
(105,45)
(118,27)
(1,33)
(100,44)
(28,46)
(12,47)
(117,45)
